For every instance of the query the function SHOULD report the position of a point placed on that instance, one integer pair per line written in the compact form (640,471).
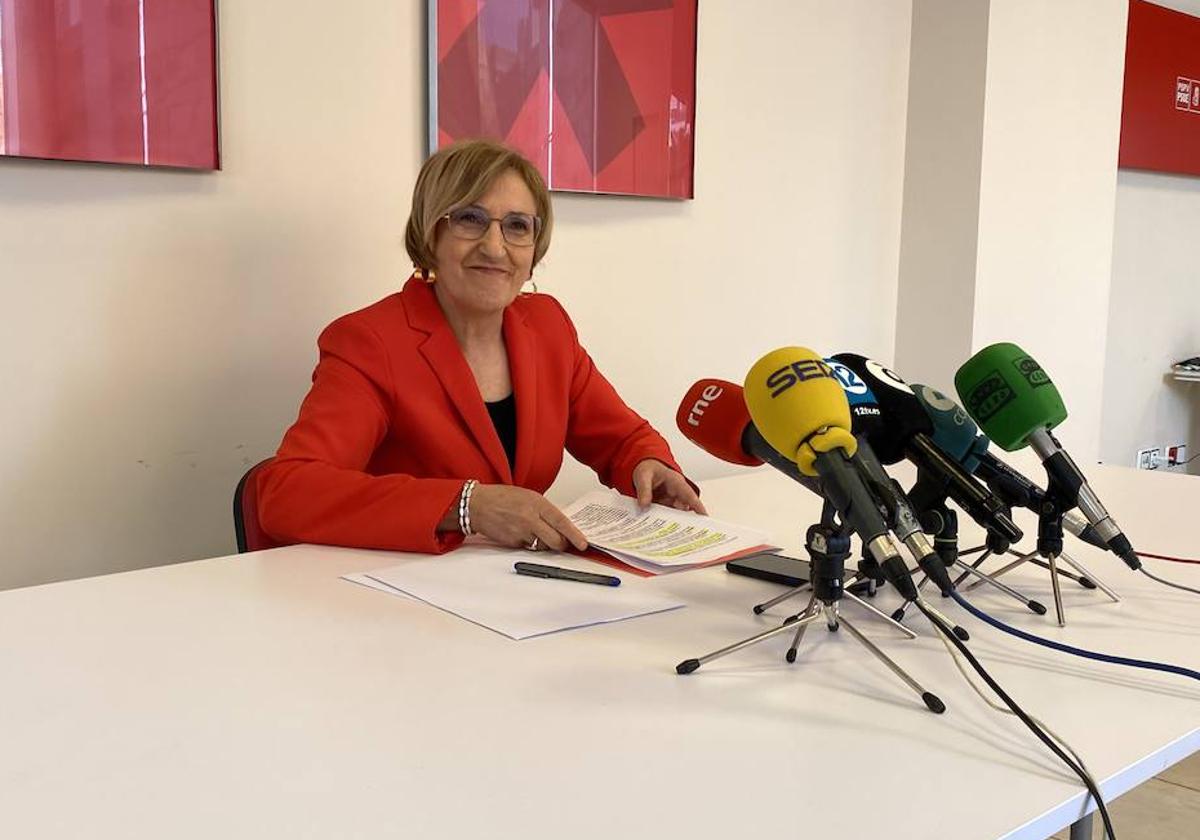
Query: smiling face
(477,279)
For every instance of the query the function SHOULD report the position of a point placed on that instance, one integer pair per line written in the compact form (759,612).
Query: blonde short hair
(458,175)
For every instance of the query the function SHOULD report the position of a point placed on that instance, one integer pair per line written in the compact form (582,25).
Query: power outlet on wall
(1177,455)
(1149,459)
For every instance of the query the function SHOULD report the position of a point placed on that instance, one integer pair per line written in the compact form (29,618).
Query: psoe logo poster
(1161,92)
(1187,95)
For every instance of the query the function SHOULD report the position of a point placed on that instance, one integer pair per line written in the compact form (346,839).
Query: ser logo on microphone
(707,397)
(800,371)
(989,396)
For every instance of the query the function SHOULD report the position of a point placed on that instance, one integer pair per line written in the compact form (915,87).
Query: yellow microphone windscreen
(798,406)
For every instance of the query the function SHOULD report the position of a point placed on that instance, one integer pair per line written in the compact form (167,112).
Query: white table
(260,696)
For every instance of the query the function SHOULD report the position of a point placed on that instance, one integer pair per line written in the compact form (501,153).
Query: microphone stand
(828,546)
(1062,494)
(1084,577)
(929,501)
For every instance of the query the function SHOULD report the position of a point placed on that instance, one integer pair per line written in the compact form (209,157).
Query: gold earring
(425,275)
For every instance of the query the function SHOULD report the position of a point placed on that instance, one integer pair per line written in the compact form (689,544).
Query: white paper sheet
(478,583)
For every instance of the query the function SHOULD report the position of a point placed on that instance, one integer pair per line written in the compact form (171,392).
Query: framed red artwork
(1160,108)
(599,94)
(112,81)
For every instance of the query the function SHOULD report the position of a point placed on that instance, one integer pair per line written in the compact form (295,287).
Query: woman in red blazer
(444,409)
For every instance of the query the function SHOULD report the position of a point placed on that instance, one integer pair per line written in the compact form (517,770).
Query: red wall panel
(1160,114)
(74,75)
(599,94)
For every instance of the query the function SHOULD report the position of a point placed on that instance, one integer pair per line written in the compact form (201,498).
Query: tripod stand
(828,546)
(1064,481)
(1051,507)
(942,522)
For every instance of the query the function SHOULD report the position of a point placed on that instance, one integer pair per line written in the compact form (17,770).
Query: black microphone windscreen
(901,413)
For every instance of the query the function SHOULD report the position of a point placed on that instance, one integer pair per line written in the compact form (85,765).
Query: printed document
(659,539)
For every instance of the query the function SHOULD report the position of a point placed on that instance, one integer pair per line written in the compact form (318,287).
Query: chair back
(246,527)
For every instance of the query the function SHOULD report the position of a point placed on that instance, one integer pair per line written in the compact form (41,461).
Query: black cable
(1025,719)
(1167,582)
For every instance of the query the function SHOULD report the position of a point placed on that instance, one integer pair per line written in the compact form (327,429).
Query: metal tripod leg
(978,562)
(930,700)
(790,656)
(1085,580)
(1058,604)
(1077,566)
(1008,567)
(759,609)
(1034,606)
(689,665)
(879,614)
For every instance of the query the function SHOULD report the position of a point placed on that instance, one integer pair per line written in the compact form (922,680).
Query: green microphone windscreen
(1008,394)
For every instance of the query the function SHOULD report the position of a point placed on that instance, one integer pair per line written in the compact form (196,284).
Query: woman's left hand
(654,481)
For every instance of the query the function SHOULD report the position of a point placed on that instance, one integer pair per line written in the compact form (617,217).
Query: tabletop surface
(261,696)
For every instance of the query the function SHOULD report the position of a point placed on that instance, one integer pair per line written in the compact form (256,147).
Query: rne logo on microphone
(1032,372)
(989,396)
(707,397)
(801,371)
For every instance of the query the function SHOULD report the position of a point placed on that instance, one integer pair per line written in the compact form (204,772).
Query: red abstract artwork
(1160,110)
(114,81)
(599,94)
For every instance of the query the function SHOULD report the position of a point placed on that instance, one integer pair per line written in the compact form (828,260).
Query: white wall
(1008,226)
(1154,318)
(160,325)
(1047,193)
(943,157)
(793,236)
(1154,315)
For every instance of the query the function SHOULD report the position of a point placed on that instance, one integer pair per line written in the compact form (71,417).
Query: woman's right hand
(513,516)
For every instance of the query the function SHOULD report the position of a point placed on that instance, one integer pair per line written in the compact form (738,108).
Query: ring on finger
(534,544)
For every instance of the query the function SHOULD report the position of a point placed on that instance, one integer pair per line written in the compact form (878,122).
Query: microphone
(956,433)
(905,432)
(713,415)
(1016,404)
(865,417)
(800,408)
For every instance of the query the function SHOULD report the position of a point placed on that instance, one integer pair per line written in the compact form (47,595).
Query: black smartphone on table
(767,565)
(779,568)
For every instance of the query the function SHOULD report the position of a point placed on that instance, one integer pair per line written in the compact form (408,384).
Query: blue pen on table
(558,573)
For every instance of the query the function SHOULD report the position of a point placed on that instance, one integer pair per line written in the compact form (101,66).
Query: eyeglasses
(520,229)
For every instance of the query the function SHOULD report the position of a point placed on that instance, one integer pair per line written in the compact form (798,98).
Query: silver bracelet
(464,507)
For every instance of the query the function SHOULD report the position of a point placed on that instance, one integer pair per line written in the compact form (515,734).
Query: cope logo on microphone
(800,371)
(1032,372)
(990,395)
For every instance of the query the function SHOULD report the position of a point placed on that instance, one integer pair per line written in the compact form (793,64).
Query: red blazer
(394,424)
